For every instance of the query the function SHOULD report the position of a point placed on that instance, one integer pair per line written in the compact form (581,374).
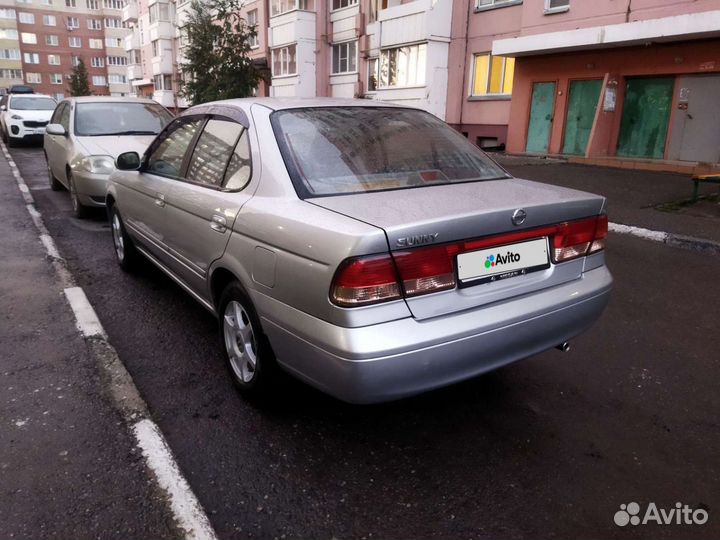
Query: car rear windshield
(341,150)
(117,118)
(32,104)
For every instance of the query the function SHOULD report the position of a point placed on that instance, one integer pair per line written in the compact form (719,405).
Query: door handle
(218,223)
(160,200)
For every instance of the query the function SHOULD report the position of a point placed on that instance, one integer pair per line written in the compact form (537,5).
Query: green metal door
(645,117)
(541,114)
(582,104)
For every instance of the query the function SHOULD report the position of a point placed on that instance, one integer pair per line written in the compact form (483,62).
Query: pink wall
(620,63)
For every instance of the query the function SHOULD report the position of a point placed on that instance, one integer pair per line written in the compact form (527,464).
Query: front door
(203,208)
(541,117)
(696,125)
(582,104)
(646,111)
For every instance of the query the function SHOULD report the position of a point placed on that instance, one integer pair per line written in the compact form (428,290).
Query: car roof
(298,103)
(108,99)
(31,96)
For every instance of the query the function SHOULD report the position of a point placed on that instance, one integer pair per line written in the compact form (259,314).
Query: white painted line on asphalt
(647,234)
(187,509)
(85,318)
(50,246)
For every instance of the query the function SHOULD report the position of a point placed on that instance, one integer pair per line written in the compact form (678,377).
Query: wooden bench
(706,178)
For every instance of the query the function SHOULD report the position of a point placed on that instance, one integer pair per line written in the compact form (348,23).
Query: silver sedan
(85,136)
(365,248)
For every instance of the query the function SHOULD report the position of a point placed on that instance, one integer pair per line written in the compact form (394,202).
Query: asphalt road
(547,447)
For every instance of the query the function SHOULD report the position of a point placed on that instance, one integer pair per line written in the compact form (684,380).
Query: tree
(79,85)
(217,63)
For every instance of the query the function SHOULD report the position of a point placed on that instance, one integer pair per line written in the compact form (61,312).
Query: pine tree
(217,63)
(79,85)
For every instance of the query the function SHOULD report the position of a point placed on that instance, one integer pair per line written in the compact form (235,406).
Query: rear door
(202,207)
(56,145)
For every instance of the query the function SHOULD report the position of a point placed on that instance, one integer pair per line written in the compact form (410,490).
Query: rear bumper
(405,357)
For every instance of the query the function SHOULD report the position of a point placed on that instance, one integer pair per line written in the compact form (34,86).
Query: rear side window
(58,113)
(239,169)
(167,157)
(338,150)
(65,117)
(213,151)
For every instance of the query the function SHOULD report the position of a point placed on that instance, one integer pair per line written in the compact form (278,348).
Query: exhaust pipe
(564,346)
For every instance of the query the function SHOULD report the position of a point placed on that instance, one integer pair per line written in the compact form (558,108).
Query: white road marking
(190,515)
(648,234)
(85,318)
(50,246)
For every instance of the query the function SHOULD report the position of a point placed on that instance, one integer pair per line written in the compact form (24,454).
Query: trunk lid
(453,212)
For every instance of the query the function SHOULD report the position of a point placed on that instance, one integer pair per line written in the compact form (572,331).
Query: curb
(671,239)
(183,505)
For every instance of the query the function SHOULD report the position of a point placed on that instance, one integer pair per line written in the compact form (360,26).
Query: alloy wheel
(240,342)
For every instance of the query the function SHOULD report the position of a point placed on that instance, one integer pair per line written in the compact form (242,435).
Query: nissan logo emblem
(518,217)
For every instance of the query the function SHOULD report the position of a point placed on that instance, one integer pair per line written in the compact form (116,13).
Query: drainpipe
(628,11)
(463,98)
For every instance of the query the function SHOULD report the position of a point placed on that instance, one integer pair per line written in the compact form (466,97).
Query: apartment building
(622,79)
(41,40)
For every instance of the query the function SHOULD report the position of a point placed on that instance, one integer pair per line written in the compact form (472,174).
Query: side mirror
(3,108)
(128,161)
(55,129)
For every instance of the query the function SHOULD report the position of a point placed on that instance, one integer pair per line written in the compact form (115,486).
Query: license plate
(39,131)
(502,262)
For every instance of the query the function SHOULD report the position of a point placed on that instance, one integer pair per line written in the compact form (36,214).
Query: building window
(31,58)
(344,57)
(59,96)
(284,61)
(113,23)
(75,42)
(159,13)
(488,3)
(114,42)
(117,61)
(8,33)
(26,18)
(10,54)
(56,78)
(97,62)
(556,6)
(54,59)
(73,22)
(114,4)
(75,61)
(24,1)
(70,3)
(11,74)
(49,20)
(403,66)
(282,6)
(492,75)
(93,4)
(115,78)
(162,82)
(29,38)
(95,43)
(252,20)
(51,40)
(99,80)
(94,24)
(339,4)
(47,2)
(373,74)
(33,78)
(156,47)
(7,13)
(134,56)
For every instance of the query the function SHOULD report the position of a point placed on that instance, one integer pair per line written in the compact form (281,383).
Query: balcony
(291,27)
(134,72)
(420,20)
(162,65)
(166,98)
(132,41)
(130,13)
(161,30)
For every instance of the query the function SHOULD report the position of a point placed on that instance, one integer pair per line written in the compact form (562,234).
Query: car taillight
(365,280)
(578,238)
(379,278)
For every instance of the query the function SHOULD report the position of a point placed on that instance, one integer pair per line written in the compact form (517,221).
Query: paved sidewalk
(68,465)
(632,195)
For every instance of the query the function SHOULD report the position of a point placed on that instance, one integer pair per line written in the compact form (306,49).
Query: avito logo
(497,260)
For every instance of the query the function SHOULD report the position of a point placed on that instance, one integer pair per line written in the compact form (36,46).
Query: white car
(86,134)
(23,117)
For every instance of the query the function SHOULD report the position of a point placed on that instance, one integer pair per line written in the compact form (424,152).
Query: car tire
(79,210)
(11,141)
(55,185)
(247,351)
(125,253)
(4,135)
